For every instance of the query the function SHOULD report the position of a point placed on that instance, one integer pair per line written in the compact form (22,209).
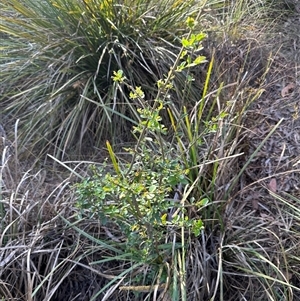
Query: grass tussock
(174,215)
(68,51)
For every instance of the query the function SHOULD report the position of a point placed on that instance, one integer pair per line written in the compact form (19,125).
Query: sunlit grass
(58,60)
(59,57)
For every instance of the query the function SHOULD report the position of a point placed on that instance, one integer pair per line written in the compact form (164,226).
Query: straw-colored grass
(177,214)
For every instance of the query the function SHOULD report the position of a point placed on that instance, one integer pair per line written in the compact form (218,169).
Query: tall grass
(58,58)
(170,216)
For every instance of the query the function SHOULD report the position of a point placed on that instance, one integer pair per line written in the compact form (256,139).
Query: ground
(275,169)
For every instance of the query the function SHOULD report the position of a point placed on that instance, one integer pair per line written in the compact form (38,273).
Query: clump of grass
(40,258)
(58,58)
(260,251)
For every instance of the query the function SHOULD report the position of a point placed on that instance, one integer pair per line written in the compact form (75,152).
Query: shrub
(153,206)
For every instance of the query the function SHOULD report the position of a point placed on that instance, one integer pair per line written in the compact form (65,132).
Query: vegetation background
(150,150)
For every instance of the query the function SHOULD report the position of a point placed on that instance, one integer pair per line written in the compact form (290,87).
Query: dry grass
(41,258)
(249,249)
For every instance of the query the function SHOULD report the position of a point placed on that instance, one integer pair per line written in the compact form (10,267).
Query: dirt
(270,186)
(279,105)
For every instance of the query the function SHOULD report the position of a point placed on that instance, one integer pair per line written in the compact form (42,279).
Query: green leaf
(199,60)
(197,226)
(118,76)
(202,202)
(191,22)
(113,157)
(185,43)
(200,36)
(183,54)
(164,218)
(152,188)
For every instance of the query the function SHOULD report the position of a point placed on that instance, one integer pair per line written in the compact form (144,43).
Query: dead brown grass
(249,250)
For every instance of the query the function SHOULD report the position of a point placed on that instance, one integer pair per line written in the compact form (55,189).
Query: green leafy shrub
(139,196)
(149,195)
(58,57)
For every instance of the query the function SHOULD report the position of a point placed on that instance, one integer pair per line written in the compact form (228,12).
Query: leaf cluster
(138,196)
